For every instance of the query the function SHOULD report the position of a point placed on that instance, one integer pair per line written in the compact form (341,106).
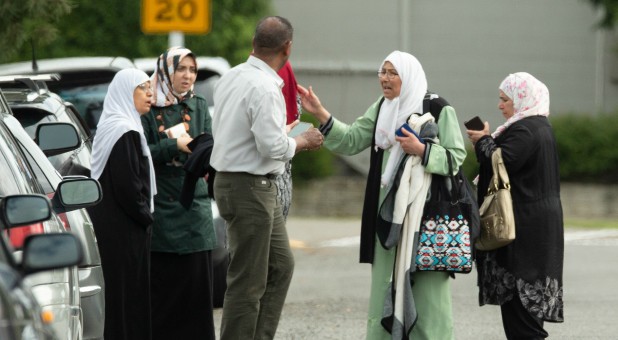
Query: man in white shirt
(250,148)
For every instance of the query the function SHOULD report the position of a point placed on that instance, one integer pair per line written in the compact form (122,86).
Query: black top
(531,266)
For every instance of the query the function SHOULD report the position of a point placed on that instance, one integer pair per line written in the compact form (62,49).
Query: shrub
(587,147)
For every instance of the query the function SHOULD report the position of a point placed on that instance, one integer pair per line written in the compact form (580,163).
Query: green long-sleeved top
(175,229)
(358,136)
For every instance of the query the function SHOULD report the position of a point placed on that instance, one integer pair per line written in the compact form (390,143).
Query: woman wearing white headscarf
(182,238)
(524,277)
(404,88)
(122,163)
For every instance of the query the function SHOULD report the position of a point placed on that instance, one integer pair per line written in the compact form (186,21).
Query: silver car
(22,317)
(58,291)
(33,106)
(83,80)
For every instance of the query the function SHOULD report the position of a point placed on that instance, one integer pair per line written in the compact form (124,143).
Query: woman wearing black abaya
(122,221)
(524,277)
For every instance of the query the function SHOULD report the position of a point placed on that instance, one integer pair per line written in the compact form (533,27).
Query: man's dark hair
(272,34)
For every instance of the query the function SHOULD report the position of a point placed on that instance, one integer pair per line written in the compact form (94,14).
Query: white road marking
(606,237)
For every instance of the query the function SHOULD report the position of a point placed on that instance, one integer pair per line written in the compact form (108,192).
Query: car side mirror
(57,138)
(18,210)
(76,192)
(50,251)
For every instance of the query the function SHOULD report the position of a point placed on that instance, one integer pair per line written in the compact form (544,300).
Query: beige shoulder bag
(497,220)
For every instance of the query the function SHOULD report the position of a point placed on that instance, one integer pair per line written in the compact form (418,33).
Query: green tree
(112,27)
(24,19)
(610,12)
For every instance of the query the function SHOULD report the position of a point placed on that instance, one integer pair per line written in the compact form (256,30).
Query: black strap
(372,199)
(434,104)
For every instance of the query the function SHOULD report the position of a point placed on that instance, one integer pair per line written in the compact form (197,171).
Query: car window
(206,88)
(15,175)
(30,118)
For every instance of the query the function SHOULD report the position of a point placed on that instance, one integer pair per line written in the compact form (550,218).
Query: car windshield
(88,100)
(86,90)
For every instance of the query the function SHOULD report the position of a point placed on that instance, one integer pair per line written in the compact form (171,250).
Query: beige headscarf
(161,79)
(393,113)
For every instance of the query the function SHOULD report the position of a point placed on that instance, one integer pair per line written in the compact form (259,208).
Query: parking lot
(329,293)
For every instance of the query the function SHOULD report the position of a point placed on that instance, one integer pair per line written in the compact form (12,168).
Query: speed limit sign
(188,16)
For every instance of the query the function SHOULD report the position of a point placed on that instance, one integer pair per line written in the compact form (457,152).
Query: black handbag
(449,226)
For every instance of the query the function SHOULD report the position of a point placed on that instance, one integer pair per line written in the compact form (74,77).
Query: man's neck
(275,62)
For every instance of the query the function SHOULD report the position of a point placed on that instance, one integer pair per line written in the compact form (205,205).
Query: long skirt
(432,294)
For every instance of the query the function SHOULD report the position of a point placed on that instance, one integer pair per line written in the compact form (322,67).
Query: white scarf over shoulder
(395,112)
(119,117)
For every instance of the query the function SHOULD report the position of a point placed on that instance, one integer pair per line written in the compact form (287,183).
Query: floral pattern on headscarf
(530,98)
(161,79)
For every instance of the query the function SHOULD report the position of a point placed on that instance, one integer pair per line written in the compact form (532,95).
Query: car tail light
(17,235)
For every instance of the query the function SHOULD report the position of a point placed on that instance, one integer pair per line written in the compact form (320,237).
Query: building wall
(465,47)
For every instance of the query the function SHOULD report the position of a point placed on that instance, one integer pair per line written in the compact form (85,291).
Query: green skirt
(432,294)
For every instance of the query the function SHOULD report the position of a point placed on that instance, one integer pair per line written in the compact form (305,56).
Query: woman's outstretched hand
(311,103)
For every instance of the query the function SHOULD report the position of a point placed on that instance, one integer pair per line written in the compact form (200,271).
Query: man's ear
(288,48)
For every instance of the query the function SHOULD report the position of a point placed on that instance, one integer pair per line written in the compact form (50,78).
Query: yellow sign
(188,16)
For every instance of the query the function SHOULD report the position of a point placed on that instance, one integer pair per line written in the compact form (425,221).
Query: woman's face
(505,104)
(185,75)
(390,81)
(142,96)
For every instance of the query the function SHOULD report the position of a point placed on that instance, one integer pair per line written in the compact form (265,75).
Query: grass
(591,224)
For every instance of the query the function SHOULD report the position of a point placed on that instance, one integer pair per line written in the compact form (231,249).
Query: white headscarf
(393,113)
(120,116)
(530,98)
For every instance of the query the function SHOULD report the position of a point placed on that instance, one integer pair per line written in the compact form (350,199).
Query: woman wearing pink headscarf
(524,277)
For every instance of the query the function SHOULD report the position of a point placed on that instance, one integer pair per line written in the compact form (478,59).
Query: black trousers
(181,295)
(519,324)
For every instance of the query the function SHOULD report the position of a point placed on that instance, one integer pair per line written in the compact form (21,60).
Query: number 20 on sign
(188,16)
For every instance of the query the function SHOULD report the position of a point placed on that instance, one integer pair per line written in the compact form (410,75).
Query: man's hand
(311,139)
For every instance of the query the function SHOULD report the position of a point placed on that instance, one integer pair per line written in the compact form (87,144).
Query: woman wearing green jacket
(404,87)
(182,239)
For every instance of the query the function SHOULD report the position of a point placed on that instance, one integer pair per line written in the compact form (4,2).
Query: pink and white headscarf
(530,98)
(161,79)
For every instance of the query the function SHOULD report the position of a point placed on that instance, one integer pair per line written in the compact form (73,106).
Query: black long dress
(530,268)
(122,224)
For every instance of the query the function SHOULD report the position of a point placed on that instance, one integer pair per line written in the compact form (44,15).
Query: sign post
(165,16)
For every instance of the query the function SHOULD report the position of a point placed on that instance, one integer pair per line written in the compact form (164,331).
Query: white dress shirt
(249,121)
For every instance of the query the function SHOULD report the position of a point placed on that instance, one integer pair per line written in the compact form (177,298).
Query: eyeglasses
(389,75)
(145,87)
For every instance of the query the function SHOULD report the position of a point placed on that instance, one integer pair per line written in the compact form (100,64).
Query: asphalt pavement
(329,292)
